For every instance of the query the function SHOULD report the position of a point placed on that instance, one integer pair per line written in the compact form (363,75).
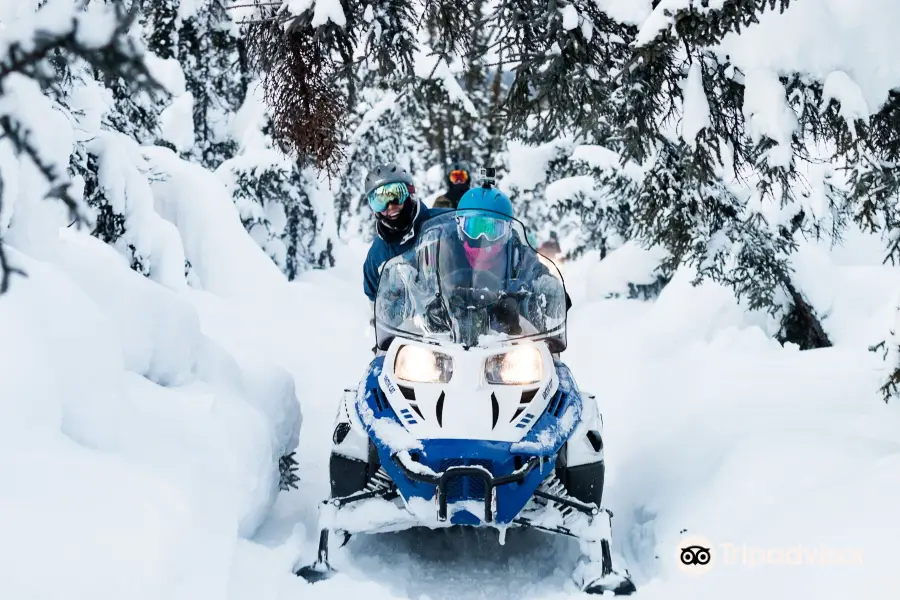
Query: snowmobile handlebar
(478,298)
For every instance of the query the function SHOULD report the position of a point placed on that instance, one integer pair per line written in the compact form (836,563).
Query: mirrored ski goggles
(389,193)
(458,176)
(490,228)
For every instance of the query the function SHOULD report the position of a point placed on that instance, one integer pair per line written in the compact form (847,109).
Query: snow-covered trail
(710,427)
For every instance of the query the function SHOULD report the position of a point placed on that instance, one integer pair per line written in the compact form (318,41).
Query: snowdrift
(135,449)
(784,462)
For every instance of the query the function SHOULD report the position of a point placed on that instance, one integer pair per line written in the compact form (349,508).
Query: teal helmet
(485,216)
(489,199)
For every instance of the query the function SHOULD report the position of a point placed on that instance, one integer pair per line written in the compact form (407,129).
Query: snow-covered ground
(141,427)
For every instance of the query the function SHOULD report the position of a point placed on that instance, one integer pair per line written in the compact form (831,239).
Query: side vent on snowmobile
(439,410)
(340,432)
(380,401)
(528,396)
(595,440)
(495,410)
(526,420)
(524,401)
(410,395)
(556,404)
(406,414)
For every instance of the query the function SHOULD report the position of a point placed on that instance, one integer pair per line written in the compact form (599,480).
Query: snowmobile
(466,416)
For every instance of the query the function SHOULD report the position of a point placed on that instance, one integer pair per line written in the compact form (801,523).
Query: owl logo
(694,555)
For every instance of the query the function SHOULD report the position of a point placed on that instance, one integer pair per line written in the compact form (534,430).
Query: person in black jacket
(459,181)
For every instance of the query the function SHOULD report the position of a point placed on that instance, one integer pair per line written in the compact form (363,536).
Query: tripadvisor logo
(694,555)
(697,555)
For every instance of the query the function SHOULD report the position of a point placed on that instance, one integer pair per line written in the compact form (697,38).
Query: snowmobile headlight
(421,365)
(520,367)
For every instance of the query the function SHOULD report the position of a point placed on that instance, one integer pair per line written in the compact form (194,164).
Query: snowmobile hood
(386,415)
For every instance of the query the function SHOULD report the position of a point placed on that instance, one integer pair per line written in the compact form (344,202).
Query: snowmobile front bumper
(416,472)
(378,508)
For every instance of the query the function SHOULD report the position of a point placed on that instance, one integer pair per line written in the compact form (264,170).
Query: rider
(459,180)
(487,241)
(399,216)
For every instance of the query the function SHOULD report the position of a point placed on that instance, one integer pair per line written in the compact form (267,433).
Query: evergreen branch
(708,27)
(287,468)
(13,131)
(110,58)
(254,5)
(278,20)
(116,58)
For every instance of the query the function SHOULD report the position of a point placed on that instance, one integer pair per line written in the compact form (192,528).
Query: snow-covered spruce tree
(580,194)
(67,41)
(108,173)
(561,99)
(667,98)
(204,39)
(689,201)
(107,162)
(275,205)
(135,113)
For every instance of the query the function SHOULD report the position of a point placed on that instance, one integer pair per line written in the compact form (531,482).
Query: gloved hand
(436,316)
(507,313)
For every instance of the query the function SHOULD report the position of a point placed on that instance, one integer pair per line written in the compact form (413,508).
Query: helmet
(488,225)
(388,173)
(462,165)
(491,199)
(392,184)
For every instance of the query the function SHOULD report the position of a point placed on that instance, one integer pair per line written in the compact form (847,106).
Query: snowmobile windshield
(471,279)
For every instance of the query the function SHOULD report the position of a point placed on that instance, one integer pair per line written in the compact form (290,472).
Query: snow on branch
(37,53)
(701,24)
